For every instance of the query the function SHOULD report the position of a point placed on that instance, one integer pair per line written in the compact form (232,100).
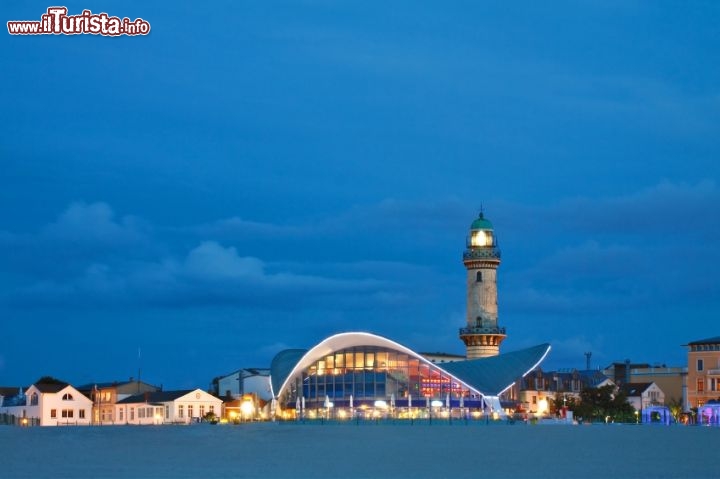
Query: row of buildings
(362,374)
(50,402)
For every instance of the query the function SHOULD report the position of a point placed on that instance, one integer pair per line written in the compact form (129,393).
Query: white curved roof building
(359,369)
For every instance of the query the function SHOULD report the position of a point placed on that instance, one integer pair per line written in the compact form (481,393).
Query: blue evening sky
(256,175)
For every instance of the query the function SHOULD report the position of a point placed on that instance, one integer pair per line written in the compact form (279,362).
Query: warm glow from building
(247,408)
(481,238)
(542,406)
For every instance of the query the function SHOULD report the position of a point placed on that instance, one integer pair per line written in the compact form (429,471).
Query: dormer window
(67,397)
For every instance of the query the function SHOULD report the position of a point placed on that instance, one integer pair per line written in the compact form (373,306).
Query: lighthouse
(482,335)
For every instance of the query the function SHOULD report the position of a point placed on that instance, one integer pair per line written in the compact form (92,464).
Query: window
(700,385)
(190,410)
(53,413)
(141,412)
(167,412)
(202,410)
(67,397)
(180,411)
(121,414)
(34,399)
(132,413)
(81,414)
(212,408)
(67,413)
(699,364)
(478,277)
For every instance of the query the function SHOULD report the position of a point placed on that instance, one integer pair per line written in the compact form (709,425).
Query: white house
(52,404)
(163,407)
(643,395)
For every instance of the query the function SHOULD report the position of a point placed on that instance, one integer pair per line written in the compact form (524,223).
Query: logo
(57,22)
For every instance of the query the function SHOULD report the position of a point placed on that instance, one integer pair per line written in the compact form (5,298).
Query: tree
(49,380)
(676,408)
(604,403)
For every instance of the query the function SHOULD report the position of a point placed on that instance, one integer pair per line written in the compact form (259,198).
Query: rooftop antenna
(139,371)
(588,355)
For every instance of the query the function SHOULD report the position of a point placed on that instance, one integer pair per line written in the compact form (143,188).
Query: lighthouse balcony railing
(481,330)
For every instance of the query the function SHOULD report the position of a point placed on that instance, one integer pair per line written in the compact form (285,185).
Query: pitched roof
(715,340)
(634,389)
(159,396)
(8,391)
(50,387)
(112,384)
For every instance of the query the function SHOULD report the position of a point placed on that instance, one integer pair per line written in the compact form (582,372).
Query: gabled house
(163,407)
(643,395)
(105,395)
(50,404)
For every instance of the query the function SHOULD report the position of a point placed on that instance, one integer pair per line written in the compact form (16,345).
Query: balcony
(478,330)
(489,253)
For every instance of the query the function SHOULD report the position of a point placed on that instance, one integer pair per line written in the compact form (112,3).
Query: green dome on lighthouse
(481,223)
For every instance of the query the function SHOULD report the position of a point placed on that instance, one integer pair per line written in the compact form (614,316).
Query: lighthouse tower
(482,335)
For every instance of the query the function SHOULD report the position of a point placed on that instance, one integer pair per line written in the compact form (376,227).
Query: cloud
(236,227)
(94,223)
(210,261)
(667,208)
(209,275)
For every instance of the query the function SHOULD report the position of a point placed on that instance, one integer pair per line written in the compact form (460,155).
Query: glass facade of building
(366,375)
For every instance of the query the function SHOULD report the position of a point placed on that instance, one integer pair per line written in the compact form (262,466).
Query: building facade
(703,371)
(244,381)
(642,396)
(167,407)
(366,374)
(50,404)
(105,395)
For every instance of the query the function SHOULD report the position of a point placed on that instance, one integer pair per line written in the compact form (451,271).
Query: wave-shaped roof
(488,376)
